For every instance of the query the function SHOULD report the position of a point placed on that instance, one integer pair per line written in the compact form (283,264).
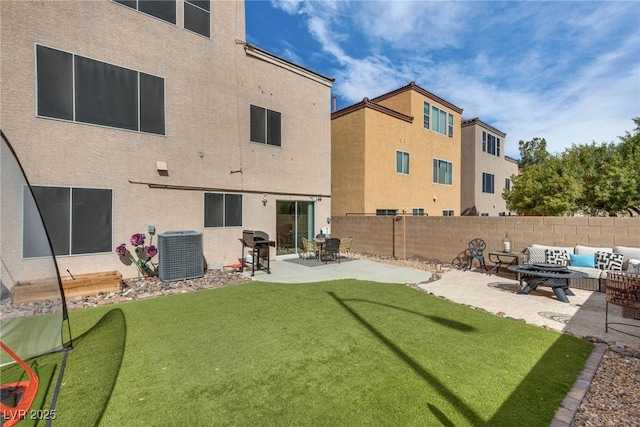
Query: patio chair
(332,249)
(623,290)
(345,246)
(476,251)
(309,247)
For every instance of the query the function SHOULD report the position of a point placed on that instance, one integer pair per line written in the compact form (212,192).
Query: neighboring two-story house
(487,170)
(398,153)
(129,116)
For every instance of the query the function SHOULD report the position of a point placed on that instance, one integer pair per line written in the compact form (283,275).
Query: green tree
(595,178)
(543,188)
(533,152)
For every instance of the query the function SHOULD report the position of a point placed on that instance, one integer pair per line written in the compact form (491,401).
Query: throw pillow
(634,266)
(609,261)
(582,260)
(536,255)
(556,256)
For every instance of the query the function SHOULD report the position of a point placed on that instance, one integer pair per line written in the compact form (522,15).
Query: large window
(386,212)
(197,16)
(418,212)
(402,162)
(487,183)
(437,120)
(507,184)
(490,144)
(442,172)
(78,220)
(441,121)
(447,212)
(265,126)
(222,210)
(161,9)
(80,89)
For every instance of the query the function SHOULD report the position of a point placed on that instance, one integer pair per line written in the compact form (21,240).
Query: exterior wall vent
(180,255)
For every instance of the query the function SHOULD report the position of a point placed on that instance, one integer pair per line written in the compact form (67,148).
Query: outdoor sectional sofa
(591,260)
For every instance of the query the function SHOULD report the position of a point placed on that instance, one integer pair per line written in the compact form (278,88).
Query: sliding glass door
(294,220)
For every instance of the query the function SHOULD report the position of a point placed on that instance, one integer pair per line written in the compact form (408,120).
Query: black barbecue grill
(258,243)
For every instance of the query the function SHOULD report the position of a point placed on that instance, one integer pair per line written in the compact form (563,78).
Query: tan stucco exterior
(365,138)
(209,86)
(475,162)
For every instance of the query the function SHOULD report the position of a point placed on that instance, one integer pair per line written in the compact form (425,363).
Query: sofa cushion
(593,273)
(588,260)
(568,249)
(628,253)
(536,255)
(556,256)
(634,266)
(590,250)
(609,261)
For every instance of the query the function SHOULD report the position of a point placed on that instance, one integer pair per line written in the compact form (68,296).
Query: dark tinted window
(78,220)
(106,94)
(203,4)
(162,9)
(133,4)
(273,128)
(266,126)
(91,221)
(55,84)
(258,125)
(222,210)
(213,210)
(197,19)
(233,210)
(54,207)
(152,104)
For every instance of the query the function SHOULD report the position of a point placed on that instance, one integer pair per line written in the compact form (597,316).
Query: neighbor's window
(79,89)
(165,9)
(490,144)
(487,183)
(425,120)
(418,211)
(78,220)
(441,121)
(386,212)
(484,213)
(197,16)
(402,162)
(265,126)
(222,210)
(507,184)
(442,172)
(447,212)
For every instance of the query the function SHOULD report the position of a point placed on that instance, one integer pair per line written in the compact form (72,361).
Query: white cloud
(564,71)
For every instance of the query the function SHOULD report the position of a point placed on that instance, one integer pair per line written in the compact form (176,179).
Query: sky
(565,71)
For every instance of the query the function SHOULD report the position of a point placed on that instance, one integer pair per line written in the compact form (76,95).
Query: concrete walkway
(284,271)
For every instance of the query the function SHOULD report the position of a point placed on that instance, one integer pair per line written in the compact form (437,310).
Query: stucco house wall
(210,83)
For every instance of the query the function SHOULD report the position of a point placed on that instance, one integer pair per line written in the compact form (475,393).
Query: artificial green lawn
(341,353)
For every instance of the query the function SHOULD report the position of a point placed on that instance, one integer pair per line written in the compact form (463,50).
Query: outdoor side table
(498,258)
(552,275)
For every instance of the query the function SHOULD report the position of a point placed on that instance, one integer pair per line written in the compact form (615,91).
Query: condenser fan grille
(180,255)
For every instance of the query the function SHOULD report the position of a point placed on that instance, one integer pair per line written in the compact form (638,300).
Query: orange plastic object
(28,389)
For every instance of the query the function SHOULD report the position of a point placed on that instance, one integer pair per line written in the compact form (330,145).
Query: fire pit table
(552,275)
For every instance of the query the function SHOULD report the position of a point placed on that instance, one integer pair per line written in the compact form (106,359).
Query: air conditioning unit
(180,255)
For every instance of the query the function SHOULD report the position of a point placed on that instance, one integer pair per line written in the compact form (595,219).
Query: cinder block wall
(444,239)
